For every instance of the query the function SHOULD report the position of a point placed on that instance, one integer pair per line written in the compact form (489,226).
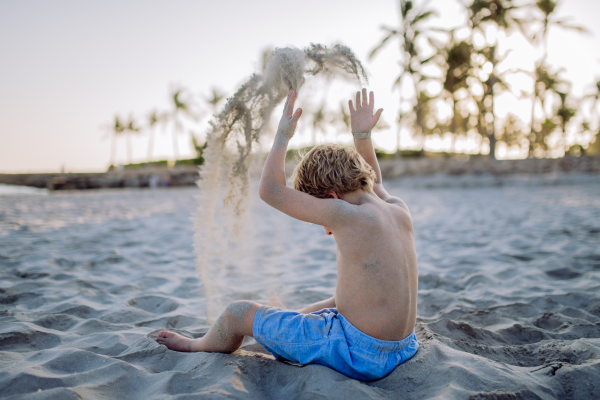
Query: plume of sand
(224,178)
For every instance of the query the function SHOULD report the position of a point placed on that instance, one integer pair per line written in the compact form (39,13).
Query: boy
(367,328)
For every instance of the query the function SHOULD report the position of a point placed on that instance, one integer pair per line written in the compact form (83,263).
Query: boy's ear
(331,194)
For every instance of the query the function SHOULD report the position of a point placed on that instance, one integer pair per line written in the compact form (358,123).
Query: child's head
(335,168)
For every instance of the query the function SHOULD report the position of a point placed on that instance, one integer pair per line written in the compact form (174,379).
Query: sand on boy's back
(224,182)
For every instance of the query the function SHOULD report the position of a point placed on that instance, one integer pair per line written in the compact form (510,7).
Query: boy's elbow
(262,191)
(270,191)
(265,192)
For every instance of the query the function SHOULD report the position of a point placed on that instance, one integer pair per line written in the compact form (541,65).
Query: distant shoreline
(128,178)
(390,168)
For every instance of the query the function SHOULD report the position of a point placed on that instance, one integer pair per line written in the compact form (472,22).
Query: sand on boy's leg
(225,336)
(275,301)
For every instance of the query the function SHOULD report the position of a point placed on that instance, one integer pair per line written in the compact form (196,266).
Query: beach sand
(509,295)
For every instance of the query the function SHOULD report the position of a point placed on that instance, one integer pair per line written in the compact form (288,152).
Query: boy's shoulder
(379,213)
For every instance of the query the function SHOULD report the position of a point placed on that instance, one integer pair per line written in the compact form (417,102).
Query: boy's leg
(225,336)
(328,303)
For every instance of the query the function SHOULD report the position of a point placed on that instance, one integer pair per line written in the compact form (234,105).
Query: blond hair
(332,167)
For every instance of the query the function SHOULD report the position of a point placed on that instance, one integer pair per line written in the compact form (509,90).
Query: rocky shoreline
(143,177)
(390,168)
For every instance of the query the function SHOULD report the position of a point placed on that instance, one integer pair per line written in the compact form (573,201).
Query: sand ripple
(509,297)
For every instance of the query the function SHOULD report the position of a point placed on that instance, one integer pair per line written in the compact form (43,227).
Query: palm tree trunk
(150,144)
(113,148)
(453,124)
(399,127)
(175,144)
(532,124)
(492,134)
(398,154)
(129,148)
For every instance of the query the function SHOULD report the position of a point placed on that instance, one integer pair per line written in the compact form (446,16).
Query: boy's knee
(240,314)
(238,309)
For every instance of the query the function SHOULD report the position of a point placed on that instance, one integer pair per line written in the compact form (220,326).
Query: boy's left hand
(287,124)
(362,120)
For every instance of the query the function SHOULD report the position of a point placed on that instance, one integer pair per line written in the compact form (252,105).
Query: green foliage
(199,160)
(382,155)
(594,147)
(295,155)
(512,131)
(576,150)
(153,164)
(191,162)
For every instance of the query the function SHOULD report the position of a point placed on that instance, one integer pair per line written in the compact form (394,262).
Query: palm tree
(408,34)
(344,116)
(154,118)
(547,8)
(565,113)
(457,60)
(131,129)
(512,133)
(500,15)
(116,129)
(319,119)
(493,82)
(425,118)
(594,147)
(547,84)
(180,107)
(216,98)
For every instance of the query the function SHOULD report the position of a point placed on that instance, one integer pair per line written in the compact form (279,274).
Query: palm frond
(566,25)
(380,46)
(423,16)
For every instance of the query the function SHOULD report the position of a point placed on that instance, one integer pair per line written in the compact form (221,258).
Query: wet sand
(509,295)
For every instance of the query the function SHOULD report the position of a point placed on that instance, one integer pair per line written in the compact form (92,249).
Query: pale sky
(67,67)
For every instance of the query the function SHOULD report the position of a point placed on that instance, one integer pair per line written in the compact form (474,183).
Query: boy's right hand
(288,121)
(362,120)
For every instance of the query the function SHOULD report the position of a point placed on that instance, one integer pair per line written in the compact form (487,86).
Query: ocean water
(510,275)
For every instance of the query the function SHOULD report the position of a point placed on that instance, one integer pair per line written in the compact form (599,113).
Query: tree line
(466,62)
(184,108)
(467,66)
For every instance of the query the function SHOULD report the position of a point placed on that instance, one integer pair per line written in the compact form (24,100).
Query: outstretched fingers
(297,114)
(289,104)
(352,109)
(377,114)
(364,102)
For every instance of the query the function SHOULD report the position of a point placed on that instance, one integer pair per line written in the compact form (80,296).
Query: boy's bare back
(377,269)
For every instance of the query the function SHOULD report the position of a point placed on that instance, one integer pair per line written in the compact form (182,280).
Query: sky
(68,67)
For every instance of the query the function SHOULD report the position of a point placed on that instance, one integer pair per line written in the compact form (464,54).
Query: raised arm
(362,122)
(273,189)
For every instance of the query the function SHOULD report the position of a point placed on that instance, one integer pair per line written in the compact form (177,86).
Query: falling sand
(233,139)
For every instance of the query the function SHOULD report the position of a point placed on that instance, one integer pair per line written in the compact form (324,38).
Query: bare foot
(275,302)
(175,341)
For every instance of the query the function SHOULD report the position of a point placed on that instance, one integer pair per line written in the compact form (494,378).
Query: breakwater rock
(485,166)
(147,177)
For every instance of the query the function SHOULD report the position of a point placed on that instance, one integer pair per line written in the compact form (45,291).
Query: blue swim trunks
(325,337)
